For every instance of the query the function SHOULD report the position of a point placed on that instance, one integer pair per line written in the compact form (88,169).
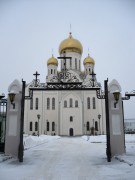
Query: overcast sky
(30,29)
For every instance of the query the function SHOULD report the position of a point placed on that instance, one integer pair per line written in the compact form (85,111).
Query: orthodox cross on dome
(64,58)
(36,80)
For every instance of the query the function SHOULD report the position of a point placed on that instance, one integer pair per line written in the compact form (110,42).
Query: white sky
(30,29)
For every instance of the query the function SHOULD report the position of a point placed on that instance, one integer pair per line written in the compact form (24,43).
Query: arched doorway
(71,132)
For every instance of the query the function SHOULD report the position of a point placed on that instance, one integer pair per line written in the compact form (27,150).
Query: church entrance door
(71,132)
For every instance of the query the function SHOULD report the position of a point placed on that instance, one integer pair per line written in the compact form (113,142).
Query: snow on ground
(66,158)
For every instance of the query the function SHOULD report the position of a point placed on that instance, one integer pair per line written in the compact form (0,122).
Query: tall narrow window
(88,126)
(54,71)
(70,103)
(65,64)
(48,103)
(88,102)
(53,103)
(75,63)
(70,63)
(71,118)
(48,126)
(96,125)
(94,103)
(89,71)
(79,64)
(36,126)
(76,103)
(65,103)
(51,71)
(61,65)
(36,103)
(31,103)
(30,126)
(53,126)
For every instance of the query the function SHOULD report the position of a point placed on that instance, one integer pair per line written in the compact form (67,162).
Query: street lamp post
(38,116)
(99,116)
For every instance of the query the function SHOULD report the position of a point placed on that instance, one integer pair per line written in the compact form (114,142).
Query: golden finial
(88,52)
(70,33)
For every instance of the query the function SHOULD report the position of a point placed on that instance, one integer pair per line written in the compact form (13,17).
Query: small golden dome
(52,61)
(70,45)
(88,60)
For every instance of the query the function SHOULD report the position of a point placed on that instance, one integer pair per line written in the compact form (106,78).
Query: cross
(64,57)
(36,75)
(93,77)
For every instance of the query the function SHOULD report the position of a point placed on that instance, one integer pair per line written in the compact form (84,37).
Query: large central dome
(70,45)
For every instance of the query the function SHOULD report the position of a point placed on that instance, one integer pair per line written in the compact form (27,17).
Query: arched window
(53,103)
(48,103)
(48,126)
(88,126)
(76,103)
(36,126)
(53,126)
(65,103)
(36,103)
(88,102)
(70,102)
(31,103)
(71,118)
(94,103)
(96,125)
(30,126)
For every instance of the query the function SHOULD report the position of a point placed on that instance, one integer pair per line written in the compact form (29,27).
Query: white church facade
(66,104)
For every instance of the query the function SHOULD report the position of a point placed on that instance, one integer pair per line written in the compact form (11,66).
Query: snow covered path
(66,159)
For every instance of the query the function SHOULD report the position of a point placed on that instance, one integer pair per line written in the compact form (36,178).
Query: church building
(66,104)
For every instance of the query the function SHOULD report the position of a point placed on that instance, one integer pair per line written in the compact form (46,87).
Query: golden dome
(52,61)
(88,60)
(70,45)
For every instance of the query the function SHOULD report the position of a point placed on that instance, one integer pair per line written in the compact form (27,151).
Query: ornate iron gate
(3,110)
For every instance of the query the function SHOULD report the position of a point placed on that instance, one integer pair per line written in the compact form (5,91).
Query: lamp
(99,116)
(12,97)
(38,116)
(116,97)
